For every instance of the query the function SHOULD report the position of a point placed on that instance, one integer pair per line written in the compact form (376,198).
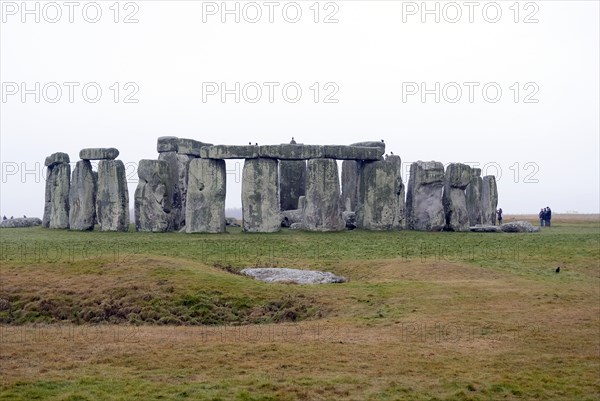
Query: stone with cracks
(371,144)
(489,200)
(177,212)
(112,196)
(381,203)
(56,158)
(153,197)
(322,211)
(56,209)
(205,210)
(457,178)
(350,173)
(229,152)
(292,183)
(98,154)
(167,144)
(260,196)
(473,197)
(21,222)
(183,167)
(82,197)
(296,276)
(519,227)
(190,146)
(424,208)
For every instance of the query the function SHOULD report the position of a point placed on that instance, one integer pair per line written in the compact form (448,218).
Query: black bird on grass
(557,269)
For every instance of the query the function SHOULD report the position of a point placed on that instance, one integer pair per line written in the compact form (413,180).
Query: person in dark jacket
(542,216)
(499,212)
(548,216)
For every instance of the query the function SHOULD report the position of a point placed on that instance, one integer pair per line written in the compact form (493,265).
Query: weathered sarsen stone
(82,197)
(457,178)
(167,144)
(112,197)
(98,154)
(424,208)
(190,147)
(58,181)
(153,197)
(473,197)
(489,199)
(205,210)
(292,183)
(177,212)
(260,196)
(322,211)
(350,173)
(381,203)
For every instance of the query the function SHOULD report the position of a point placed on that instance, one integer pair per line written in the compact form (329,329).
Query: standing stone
(153,197)
(183,168)
(457,176)
(260,196)
(350,174)
(292,183)
(424,208)
(473,197)
(322,210)
(82,197)
(381,203)
(112,197)
(205,204)
(177,212)
(489,199)
(59,196)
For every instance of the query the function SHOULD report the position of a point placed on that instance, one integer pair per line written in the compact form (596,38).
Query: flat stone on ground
(297,276)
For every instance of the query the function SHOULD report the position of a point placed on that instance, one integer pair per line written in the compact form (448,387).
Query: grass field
(424,316)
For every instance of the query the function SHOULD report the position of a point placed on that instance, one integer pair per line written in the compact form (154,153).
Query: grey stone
(205,205)
(457,178)
(292,151)
(112,196)
(342,152)
(350,219)
(260,196)
(167,144)
(371,144)
(322,211)
(519,227)
(153,197)
(489,199)
(473,197)
(59,178)
(302,202)
(82,197)
(231,222)
(285,275)
(485,228)
(190,146)
(177,211)
(424,208)
(381,203)
(183,167)
(292,183)
(289,217)
(296,226)
(56,158)
(229,152)
(21,222)
(350,172)
(98,154)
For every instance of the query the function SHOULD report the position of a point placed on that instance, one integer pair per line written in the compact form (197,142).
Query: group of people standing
(545,216)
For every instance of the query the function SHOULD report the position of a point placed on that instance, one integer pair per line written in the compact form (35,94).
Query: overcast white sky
(544,153)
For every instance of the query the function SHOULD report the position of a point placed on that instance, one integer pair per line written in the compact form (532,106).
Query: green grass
(424,316)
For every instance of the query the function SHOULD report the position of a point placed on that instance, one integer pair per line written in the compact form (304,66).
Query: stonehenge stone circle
(381,203)
(58,182)
(322,211)
(112,196)
(82,197)
(489,200)
(457,178)
(473,197)
(260,196)
(292,183)
(153,197)
(424,208)
(98,154)
(205,211)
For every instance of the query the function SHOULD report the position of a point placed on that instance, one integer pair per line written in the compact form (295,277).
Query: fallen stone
(153,197)
(229,152)
(473,197)
(457,178)
(489,200)
(260,196)
(485,228)
(205,204)
(56,158)
(424,208)
(82,197)
(231,222)
(296,276)
(21,222)
(296,226)
(381,204)
(519,227)
(289,217)
(98,154)
(167,144)
(190,146)
(322,211)
(112,197)
(292,183)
